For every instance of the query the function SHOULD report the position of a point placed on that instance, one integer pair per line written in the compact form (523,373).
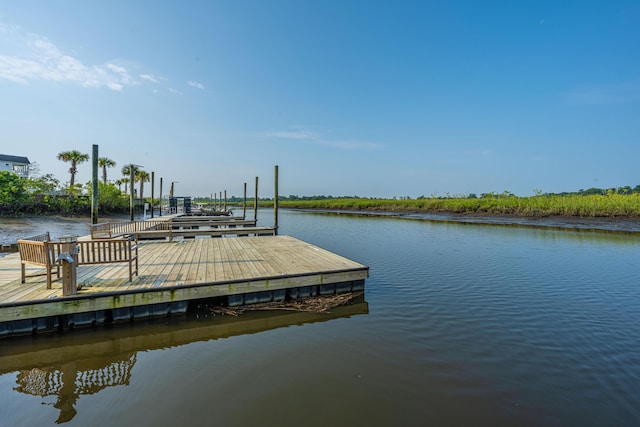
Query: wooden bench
(38,250)
(101,231)
(103,251)
(107,251)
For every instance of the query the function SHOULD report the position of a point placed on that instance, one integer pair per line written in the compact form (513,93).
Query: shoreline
(603,224)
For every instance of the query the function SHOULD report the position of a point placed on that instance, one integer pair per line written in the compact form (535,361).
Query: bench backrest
(35,252)
(104,251)
(101,230)
(44,237)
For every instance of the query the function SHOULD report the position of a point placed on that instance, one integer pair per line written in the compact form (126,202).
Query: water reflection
(71,380)
(87,362)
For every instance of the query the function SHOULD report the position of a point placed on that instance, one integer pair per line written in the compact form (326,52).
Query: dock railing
(163,229)
(111,230)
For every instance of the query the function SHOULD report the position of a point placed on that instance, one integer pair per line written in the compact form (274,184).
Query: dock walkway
(243,269)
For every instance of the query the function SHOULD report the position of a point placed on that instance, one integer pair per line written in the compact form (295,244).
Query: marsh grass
(607,205)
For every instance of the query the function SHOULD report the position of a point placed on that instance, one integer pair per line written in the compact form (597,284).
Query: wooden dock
(171,273)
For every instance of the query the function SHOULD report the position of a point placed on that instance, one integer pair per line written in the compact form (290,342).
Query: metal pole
(94,186)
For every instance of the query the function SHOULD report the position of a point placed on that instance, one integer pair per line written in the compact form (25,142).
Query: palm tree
(74,157)
(104,163)
(126,171)
(142,177)
(125,181)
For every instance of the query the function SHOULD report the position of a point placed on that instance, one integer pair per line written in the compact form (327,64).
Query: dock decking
(180,271)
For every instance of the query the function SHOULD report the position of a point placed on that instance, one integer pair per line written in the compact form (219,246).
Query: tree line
(46,195)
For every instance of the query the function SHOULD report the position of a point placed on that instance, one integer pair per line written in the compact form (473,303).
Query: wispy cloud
(150,78)
(28,57)
(625,92)
(195,84)
(306,136)
(38,58)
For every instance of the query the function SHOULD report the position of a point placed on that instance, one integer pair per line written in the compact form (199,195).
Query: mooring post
(94,185)
(131,176)
(225,202)
(69,257)
(275,202)
(153,192)
(244,203)
(255,203)
(160,199)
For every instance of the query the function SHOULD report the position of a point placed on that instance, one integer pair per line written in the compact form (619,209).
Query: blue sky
(368,98)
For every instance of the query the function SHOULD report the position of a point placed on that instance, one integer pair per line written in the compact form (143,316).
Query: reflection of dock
(71,366)
(245,269)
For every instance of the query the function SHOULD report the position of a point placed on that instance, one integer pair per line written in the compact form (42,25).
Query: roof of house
(14,159)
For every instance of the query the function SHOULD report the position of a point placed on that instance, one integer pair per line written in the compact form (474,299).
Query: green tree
(110,198)
(74,157)
(13,189)
(104,163)
(45,184)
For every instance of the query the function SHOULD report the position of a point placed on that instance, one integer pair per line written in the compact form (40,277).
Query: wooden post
(255,203)
(69,266)
(131,191)
(275,202)
(220,201)
(225,202)
(94,186)
(160,199)
(153,191)
(244,203)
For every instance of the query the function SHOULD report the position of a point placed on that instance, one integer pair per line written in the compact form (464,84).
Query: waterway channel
(461,324)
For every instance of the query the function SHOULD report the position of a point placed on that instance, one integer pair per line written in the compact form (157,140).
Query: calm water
(461,325)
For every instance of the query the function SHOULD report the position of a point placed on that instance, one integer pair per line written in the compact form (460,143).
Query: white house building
(16,164)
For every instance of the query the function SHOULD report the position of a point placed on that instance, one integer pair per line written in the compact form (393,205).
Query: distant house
(16,164)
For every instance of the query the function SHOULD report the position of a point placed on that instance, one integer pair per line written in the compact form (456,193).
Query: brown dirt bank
(607,224)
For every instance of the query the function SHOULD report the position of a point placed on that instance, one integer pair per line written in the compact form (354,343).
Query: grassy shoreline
(579,206)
